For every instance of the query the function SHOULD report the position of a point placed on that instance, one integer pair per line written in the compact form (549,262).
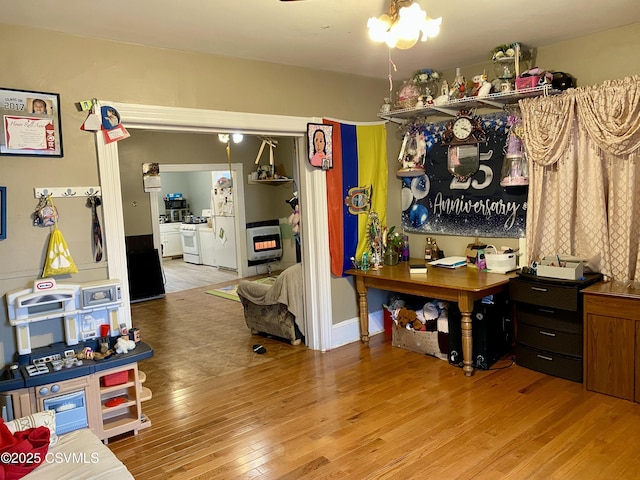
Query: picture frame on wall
(30,123)
(320,143)
(3,213)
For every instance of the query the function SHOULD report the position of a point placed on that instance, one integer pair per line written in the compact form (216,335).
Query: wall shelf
(279,181)
(495,100)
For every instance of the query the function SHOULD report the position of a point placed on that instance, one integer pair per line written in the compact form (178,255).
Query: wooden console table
(462,285)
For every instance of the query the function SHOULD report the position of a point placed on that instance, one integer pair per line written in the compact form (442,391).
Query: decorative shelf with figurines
(427,93)
(452,107)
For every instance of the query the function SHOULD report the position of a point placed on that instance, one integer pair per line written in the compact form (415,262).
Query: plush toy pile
(429,320)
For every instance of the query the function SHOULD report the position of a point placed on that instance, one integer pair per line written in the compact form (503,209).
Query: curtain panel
(583,148)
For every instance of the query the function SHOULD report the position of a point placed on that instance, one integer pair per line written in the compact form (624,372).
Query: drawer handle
(546,310)
(543,357)
(539,289)
(548,334)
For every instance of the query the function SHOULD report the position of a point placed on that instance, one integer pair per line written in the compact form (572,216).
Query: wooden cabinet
(118,394)
(549,331)
(612,339)
(171,239)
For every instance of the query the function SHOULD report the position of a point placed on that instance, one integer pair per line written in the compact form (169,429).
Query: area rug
(230,292)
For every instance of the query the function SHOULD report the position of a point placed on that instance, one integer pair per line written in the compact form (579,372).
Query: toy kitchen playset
(90,379)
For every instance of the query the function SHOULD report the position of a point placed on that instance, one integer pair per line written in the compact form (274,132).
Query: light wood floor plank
(220,411)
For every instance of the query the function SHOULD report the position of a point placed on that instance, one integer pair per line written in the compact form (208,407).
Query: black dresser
(548,315)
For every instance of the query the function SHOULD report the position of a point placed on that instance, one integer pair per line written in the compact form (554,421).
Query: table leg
(465,304)
(363,303)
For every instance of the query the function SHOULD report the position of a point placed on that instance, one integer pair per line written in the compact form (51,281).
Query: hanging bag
(58,261)
(46,214)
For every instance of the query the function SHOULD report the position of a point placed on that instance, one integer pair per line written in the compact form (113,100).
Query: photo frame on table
(3,213)
(320,145)
(30,123)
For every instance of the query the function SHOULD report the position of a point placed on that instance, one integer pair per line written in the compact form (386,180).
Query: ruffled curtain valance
(548,123)
(609,113)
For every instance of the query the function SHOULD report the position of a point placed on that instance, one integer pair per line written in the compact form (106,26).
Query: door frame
(312,204)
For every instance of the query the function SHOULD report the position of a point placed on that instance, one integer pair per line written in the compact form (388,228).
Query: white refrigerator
(223,220)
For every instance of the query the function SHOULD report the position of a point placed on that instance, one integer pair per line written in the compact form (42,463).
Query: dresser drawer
(549,339)
(545,317)
(562,366)
(546,294)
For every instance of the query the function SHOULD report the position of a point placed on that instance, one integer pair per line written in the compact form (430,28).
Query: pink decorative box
(527,82)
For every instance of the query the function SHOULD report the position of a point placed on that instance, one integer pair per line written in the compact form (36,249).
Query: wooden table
(463,285)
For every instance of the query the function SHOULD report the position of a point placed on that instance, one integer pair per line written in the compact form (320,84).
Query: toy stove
(53,363)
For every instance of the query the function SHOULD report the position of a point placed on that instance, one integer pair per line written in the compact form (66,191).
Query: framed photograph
(3,213)
(413,154)
(30,123)
(319,141)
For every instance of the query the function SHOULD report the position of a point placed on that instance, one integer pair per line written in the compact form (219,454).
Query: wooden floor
(220,411)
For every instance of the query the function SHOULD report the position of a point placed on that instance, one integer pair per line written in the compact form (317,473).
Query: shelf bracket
(489,102)
(393,120)
(448,111)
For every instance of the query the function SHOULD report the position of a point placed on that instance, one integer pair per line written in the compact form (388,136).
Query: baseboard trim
(348,331)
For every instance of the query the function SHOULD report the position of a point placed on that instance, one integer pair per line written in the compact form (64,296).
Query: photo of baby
(39,106)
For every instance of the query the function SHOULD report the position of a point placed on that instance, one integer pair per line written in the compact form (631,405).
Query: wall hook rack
(66,192)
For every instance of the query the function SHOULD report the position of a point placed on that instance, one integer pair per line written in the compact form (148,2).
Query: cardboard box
(572,269)
(417,341)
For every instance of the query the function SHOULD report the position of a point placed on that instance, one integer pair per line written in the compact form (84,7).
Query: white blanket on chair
(287,289)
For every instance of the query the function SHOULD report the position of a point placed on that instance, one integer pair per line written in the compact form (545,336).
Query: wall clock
(463,134)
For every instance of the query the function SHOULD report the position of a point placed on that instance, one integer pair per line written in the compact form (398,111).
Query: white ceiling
(323,34)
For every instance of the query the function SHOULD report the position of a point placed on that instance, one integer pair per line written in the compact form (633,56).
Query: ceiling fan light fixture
(402,25)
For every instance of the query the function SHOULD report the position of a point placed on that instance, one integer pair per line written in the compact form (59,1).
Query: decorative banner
(438,203)
(359,158)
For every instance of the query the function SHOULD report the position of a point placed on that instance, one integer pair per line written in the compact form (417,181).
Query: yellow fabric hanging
(58,261)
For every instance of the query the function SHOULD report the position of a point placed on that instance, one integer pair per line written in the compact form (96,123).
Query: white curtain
(583,148)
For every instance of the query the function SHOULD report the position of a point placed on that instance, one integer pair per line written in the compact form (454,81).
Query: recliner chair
(275,309)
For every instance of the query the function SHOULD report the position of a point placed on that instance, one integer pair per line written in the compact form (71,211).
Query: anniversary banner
(439,203)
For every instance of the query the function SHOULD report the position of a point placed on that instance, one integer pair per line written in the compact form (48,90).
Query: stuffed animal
(406,318)
(123,345)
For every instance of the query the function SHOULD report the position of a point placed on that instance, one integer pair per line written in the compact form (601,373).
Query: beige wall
(262,202)
(81,68)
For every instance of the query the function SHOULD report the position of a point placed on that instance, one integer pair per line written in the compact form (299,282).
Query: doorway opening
(315,252)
